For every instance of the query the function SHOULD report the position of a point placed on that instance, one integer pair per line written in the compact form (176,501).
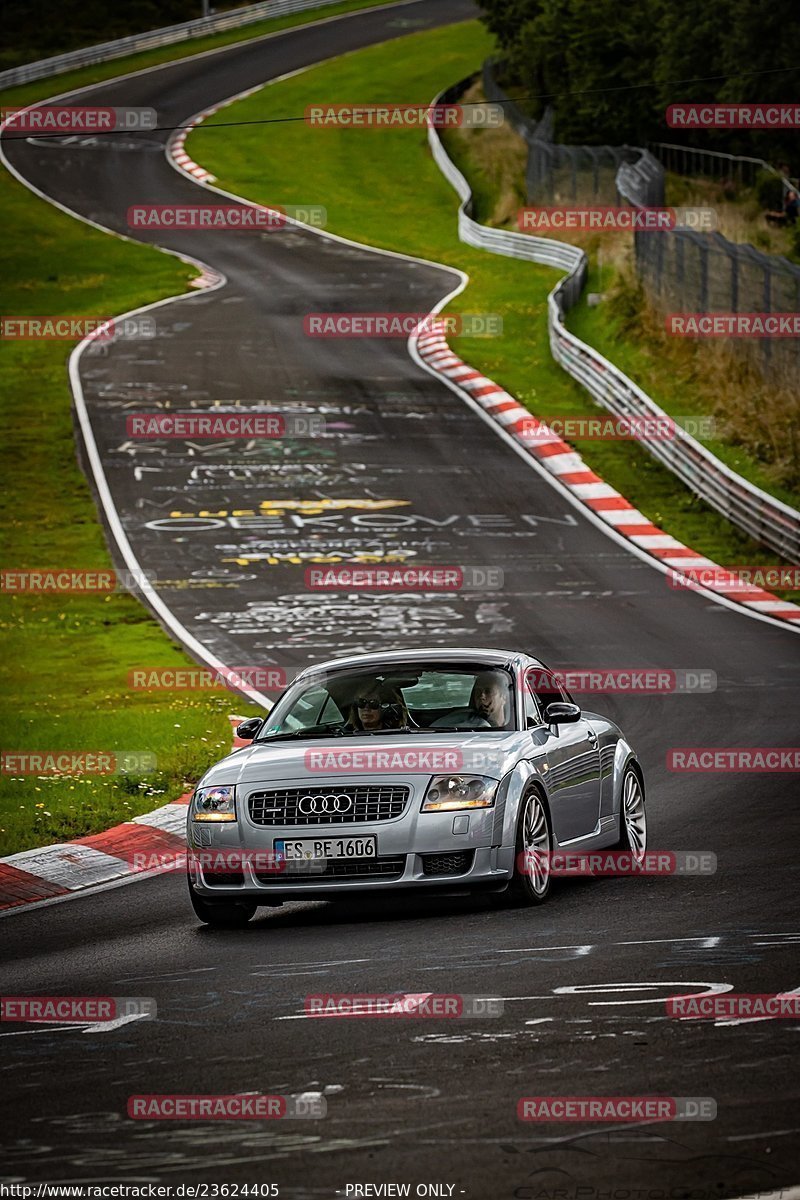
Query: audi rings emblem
(317,805)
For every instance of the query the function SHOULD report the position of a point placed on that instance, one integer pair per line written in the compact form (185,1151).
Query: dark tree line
(35,29)
(580,51)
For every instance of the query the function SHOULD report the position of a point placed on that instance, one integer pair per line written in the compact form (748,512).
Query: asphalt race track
(584,979)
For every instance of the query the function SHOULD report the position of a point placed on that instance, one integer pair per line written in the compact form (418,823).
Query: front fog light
(214,804)
(448,792)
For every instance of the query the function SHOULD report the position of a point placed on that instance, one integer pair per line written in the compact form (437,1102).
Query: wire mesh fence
(558,174)
(689,273)
(682,271)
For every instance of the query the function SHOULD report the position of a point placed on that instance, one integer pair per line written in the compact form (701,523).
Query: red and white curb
(176,150)
(176,146)
(66,867)
(557,457)
(176,153)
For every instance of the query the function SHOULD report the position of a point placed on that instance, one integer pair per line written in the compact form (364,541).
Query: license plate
(313,849)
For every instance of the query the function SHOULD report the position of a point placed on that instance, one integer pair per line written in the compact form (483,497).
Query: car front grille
(327,805)
(447,864)
(341,868)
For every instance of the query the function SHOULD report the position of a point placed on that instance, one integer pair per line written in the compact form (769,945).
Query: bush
(794,253)
(769,190)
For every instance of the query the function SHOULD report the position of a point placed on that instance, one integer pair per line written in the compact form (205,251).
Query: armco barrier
(167,36)
(762,516)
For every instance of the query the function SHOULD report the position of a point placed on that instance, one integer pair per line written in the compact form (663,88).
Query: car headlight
(448,792)
(214,804)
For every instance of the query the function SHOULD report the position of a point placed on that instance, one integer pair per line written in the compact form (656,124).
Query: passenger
(377,707)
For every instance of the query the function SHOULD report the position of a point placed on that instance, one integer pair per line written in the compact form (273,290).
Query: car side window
(545,686)
(532,715)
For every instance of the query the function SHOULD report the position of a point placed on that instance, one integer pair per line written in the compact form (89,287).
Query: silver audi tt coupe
(438,770)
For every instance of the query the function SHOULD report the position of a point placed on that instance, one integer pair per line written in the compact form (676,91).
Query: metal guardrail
(105,51)
(642,182)
(688,160)
(758,514)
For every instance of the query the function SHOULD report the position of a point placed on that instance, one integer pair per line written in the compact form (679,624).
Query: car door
(572,755)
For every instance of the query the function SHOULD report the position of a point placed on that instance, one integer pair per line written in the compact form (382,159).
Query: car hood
(319,759)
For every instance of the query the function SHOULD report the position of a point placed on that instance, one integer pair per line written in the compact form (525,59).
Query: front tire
(533,849)
(632,817)
(222,914)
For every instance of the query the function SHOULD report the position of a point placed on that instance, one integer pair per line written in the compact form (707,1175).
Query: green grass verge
(382,187)
(65,658)
(59,84)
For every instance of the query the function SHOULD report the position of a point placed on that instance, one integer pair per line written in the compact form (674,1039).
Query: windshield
(408,698)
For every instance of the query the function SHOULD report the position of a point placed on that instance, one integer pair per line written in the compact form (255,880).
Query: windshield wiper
(384,732)
(305,733)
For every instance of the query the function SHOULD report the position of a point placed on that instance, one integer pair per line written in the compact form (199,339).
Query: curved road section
(405,472)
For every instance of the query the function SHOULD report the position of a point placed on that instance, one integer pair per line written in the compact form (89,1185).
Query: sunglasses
(362,702)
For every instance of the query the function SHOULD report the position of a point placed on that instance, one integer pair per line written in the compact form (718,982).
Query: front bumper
(415,851)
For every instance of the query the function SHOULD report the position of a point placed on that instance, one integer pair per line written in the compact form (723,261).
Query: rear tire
(530,883)
(632,816)
(223,914)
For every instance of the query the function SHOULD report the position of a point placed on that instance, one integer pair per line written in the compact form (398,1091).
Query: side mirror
(560,712)
(248,729)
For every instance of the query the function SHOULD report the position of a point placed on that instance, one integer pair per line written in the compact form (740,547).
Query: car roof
(456,654)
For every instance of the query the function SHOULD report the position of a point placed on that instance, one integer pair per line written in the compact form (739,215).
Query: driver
(489,699)
(489,705)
